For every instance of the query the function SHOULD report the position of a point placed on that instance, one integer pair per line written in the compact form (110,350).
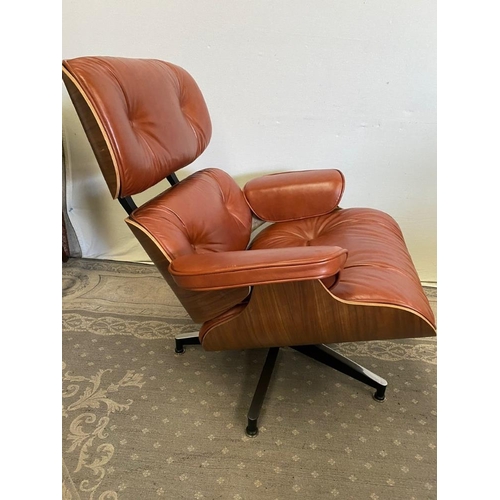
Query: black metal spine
(128,204)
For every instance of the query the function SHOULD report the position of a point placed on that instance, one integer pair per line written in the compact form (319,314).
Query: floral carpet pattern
(141,422)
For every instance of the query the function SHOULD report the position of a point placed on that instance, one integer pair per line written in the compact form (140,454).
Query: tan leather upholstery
(378,269)
(152,114)
(294,195)
(318,274)
(215,218)
(232,269)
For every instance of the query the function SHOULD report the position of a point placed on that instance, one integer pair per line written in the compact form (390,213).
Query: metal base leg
(333,359)
(260,392)
(321,353)
(185,339)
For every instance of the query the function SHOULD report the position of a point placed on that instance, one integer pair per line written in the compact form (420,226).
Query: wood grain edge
(306,312)
(95,132)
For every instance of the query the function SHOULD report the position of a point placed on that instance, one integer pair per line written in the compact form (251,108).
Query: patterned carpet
(140,422)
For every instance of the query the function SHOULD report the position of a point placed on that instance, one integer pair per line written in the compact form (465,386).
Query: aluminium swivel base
(323,354)
(333,359)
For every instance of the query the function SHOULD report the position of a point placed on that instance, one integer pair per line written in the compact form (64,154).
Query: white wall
(348,84)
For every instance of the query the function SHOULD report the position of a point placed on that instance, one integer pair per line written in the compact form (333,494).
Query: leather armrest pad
(214,271)
(294,195)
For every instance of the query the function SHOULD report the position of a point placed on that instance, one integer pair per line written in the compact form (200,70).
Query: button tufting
(376,254)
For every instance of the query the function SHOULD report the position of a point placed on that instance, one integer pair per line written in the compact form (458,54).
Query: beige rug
(140,422)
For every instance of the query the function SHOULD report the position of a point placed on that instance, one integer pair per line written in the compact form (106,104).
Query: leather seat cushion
(378,269)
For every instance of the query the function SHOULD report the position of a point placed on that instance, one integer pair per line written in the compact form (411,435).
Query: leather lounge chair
(317,273)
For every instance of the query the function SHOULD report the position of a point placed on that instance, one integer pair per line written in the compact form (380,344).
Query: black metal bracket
(128,204)
(172,178)
(185,339)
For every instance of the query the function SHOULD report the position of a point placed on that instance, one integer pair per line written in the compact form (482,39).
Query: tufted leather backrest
(205,212)
(145,118)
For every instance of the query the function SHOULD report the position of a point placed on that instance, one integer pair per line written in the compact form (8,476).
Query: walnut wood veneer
(306,312)
(94,132)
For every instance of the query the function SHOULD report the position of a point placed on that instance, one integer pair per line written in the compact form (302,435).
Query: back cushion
(151,113)
(204,213)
